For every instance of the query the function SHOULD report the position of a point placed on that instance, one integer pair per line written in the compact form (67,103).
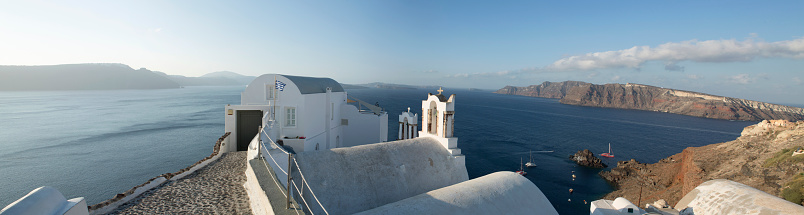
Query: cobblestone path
(214,189)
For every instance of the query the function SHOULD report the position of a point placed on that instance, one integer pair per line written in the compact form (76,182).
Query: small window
(332,111)
(269,91)
(630,210)
(290,116)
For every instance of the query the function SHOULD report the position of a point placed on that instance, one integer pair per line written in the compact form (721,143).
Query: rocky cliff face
(554,90)
(643,97)
(650,98)
(588,159)
(758,158)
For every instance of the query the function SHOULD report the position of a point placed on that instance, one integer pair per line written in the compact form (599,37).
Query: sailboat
(530,163)
(521,168)
(609,154)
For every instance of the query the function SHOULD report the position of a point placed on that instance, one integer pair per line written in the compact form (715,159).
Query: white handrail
(308,187)
(274,143)
(302,197)
(277,164)
(296,187)
(271,156)
(275,182)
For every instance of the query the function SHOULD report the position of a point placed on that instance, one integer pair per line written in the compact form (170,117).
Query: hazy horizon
(743,49)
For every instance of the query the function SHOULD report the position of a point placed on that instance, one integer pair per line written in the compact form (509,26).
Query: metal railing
(373,108)
(291,182)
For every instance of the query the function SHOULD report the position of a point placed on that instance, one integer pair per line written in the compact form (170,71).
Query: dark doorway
(248,124)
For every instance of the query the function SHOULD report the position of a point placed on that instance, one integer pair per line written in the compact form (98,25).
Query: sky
(745,49)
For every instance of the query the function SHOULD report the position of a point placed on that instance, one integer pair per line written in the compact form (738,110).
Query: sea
(97,144)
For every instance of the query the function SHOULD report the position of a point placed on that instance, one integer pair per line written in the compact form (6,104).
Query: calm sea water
(496,131)
(99,143)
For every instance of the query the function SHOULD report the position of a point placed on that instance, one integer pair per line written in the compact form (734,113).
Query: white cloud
(692,50)
(694,77)
(740,79)
(797,80)
(155,30)
(431,71)
(506,73)
(459,75)
(615,78)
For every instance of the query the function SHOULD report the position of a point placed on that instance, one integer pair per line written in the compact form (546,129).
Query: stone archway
(432,118)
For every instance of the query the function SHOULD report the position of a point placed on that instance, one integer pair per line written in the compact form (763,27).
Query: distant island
(651,98)
(352,86)
(104,76)
(381,85)
(222,78)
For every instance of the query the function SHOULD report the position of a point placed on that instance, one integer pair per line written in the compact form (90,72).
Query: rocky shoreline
(761,158)
(122,198)
(587,158)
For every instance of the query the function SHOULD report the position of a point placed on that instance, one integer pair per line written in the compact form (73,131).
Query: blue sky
(745,49)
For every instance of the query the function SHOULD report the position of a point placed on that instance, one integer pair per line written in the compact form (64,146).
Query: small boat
(521,168)
(608,154)
(530,163)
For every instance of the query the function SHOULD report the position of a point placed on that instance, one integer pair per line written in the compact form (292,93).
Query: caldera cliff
(762,157)
(553,90)
(650,98)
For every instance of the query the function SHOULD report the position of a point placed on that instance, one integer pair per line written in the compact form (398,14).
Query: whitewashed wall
(312,115)
(361,127)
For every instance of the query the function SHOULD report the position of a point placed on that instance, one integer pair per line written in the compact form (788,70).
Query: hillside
(650,98)
(553,90)
(238,78)
(80,77)
(395,86)
(761,158)
(223,78)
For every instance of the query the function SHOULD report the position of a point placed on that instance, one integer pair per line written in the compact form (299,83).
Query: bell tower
(438,120)
(407,125)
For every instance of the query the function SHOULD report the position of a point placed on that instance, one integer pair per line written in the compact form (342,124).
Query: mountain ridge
(652,98)
(105,76)
(80,77)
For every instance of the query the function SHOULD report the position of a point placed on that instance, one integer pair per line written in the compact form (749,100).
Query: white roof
(310,85)
(619,206)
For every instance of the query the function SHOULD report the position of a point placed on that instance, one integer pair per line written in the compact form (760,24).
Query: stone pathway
(214,189)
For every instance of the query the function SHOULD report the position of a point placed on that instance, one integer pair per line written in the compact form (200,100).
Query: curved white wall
(44,201)
(496,193)
(721,196)
(354,179)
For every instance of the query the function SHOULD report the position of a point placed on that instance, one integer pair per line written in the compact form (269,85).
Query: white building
(416,175)
(305,113)
(408,125)
(619,206)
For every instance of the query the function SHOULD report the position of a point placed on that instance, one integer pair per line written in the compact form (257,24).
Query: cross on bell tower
(439,90)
